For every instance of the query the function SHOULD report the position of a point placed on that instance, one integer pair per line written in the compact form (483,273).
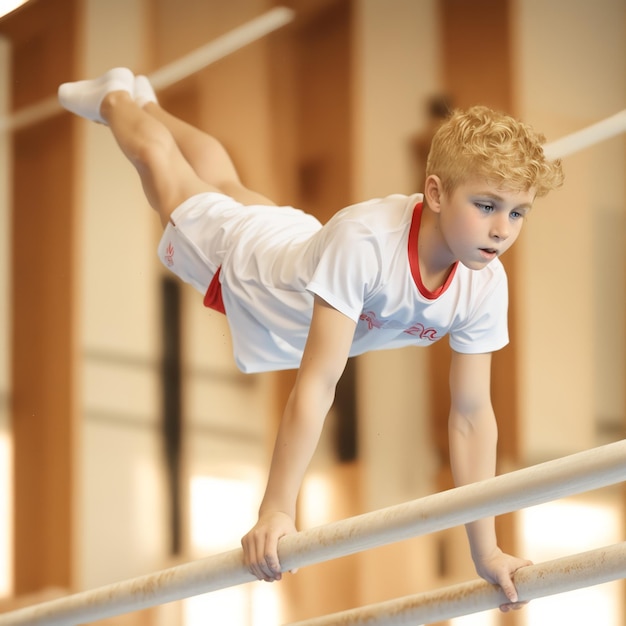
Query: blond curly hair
(483,143)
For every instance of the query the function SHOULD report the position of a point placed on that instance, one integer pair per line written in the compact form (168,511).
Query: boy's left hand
(498,568)
(260,545)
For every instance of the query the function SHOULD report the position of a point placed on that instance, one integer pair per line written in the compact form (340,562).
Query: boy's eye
(487,208)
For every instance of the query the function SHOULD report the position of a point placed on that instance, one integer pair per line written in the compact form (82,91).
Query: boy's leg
(150,142)
(166,176)
(206,155)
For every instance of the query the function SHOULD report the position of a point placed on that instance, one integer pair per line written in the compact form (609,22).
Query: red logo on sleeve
(370,318)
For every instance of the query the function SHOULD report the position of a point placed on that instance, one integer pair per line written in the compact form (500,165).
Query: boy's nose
(500,229)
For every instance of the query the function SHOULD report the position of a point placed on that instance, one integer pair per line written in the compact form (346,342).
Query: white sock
(84,97)
(143,91)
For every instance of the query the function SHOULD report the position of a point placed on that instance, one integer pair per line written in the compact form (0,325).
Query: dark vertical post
(171,380)
(347,422)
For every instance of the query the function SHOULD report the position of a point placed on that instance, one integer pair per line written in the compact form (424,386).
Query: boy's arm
(323,362)
(473,438)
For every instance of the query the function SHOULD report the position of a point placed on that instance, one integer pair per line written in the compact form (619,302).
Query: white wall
(122,511)
(571,68)
(571,65)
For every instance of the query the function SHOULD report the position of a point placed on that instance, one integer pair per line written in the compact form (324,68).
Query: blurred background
(129,441)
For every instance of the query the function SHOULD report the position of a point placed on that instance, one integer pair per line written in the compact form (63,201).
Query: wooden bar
(577,473)
(588,136)
(536,581)
(173,72)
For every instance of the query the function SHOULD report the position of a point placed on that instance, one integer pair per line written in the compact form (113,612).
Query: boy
(396,271)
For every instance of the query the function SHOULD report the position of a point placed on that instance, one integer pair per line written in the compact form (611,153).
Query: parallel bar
(168,75)
(577,473)
(183,581)
(221,47)
(536,581)
(43,110)
(589,136)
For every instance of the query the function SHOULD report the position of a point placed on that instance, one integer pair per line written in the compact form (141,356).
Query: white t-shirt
(364,263)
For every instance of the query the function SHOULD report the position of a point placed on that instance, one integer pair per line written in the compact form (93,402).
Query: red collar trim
(414,262)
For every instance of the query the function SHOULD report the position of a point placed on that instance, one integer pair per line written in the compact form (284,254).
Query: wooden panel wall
(476,57)
(42,300)
(477,69)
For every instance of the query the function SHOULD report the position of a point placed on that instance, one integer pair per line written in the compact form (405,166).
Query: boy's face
(480,221)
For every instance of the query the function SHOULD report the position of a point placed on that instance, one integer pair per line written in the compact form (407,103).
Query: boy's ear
(433,192)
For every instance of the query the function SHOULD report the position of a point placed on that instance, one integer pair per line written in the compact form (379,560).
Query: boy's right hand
(260,545)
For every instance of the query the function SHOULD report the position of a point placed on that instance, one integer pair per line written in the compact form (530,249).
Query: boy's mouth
(489,253)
